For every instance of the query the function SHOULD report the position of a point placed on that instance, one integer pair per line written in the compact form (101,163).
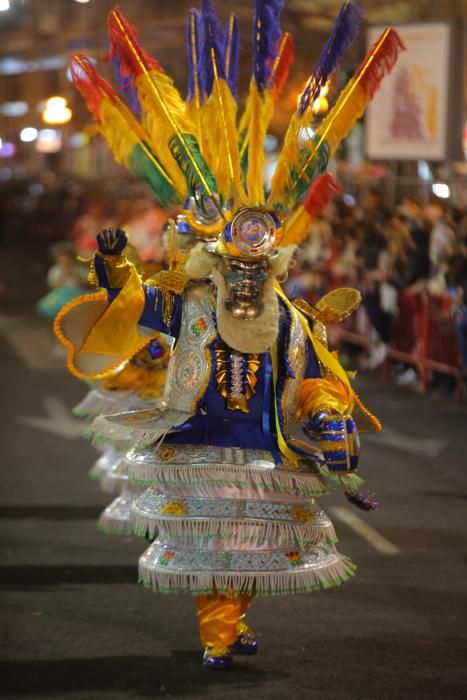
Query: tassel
(319,194)
(361,501)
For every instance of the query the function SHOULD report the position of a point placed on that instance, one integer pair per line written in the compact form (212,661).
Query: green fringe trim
(233,482)
(302,544)
(348,573)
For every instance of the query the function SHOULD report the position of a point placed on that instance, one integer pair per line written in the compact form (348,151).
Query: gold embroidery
(237,400)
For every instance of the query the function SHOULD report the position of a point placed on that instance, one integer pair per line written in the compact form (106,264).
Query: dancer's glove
(111,241)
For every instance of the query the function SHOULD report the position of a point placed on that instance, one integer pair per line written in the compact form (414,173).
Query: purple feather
(230,50)
(193,26)
(361,501)
(344,32)
(129,91)
(266,36)
(212,44)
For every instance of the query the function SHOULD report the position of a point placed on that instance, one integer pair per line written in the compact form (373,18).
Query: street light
(56,111)
(28,134)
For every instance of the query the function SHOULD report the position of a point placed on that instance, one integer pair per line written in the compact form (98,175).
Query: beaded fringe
(260,582)
(276,480)
(116,523)
(240,530)
(95,403)
(112,483)
(104,429)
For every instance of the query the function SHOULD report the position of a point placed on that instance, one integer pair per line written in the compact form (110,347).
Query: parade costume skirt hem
(113,483)
(117,518)
(97,402)
(240,476)
(252,533)
(258,583)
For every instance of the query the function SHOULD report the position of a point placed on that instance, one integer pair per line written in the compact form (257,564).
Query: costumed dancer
(231,488)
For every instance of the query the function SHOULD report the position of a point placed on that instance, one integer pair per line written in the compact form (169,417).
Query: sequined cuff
(340,443)
(112,270)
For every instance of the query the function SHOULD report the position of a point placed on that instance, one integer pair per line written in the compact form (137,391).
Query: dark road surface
(76,625)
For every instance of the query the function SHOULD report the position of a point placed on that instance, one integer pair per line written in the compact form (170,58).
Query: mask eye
(233,276)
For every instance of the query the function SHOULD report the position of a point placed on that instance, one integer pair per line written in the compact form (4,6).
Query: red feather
(285,58)
(320,193)
(123,39)
(379,61)
(92,87)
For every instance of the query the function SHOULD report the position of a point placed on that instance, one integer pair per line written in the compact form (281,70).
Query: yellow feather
(158,124)
(120,139)
(288,156)
(297,228)
(348,109)
(220,140)
(261,107)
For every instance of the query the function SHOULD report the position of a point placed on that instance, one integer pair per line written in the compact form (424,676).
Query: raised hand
(111,241)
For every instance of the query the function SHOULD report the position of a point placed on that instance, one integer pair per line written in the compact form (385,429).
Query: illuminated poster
(407,119)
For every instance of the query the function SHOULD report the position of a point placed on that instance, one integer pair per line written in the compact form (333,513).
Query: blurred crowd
(414,248)
(56,221)
(417,247)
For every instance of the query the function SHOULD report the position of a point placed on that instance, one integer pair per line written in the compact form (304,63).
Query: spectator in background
(374,208)
(442,242)
(457,282)
(66,279)
(417,267)
(369,253)
(144,224)
(93,219)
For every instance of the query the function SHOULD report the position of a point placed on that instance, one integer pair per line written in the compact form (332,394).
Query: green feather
(300,179)
(190,171)
(242,136)
(143,164)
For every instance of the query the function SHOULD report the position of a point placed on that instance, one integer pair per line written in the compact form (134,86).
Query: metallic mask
(244,280)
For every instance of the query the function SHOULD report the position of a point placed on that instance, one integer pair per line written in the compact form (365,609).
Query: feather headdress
(192,151)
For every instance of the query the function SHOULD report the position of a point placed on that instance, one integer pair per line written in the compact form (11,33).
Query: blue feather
(197,39)
(230,50)
(129,91)
(212,44)
(343,34)
(266,36)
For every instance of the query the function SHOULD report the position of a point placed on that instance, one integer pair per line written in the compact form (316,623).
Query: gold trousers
(219,618)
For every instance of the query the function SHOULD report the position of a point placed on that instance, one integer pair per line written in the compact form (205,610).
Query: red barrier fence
(423,335)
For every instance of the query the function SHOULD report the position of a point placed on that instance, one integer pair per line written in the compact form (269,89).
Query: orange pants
(219,616)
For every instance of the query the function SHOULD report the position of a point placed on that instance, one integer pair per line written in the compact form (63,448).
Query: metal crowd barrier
(423,335)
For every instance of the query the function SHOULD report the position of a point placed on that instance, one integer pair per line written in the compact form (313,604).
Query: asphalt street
(76,625)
